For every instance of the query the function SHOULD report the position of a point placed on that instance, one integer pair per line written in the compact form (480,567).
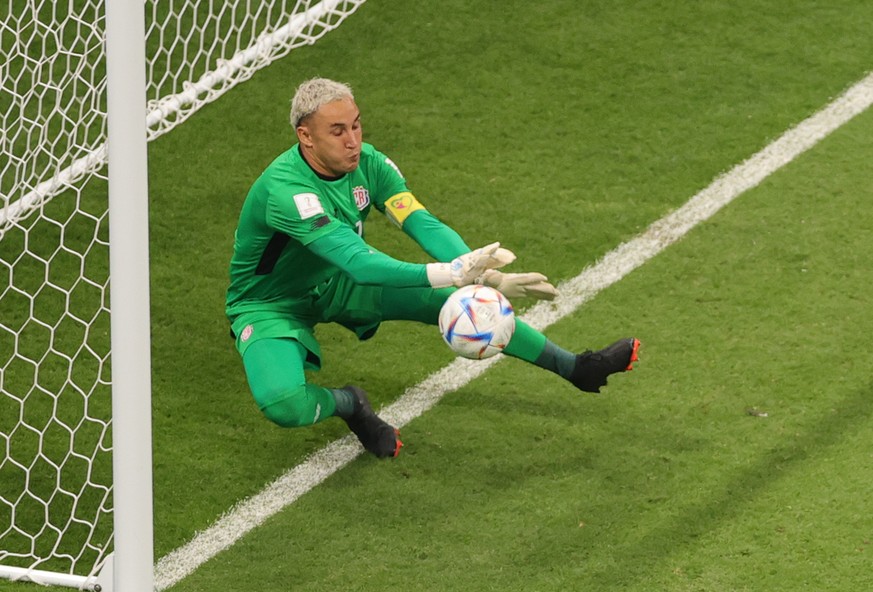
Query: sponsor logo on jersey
(246,333)
(390,163)
(308,205)
(362,197)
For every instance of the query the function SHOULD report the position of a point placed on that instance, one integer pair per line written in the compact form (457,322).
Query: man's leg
(587,371)
(274,368)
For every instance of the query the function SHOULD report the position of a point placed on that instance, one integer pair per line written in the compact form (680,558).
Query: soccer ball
(477,322)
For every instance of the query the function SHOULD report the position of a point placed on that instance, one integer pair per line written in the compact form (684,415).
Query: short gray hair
(314,93)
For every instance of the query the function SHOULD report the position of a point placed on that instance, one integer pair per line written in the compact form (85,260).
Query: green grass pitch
(736,457)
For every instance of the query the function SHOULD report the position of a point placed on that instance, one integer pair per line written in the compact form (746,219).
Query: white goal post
(75,476)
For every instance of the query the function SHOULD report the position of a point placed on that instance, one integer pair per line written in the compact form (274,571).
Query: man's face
(331,138)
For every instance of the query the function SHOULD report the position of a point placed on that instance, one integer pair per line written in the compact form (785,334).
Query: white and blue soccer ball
(477,322)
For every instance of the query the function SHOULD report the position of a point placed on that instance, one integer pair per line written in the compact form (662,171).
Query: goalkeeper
(300,259)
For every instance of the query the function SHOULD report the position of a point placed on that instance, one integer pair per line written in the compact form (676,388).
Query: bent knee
(293,408)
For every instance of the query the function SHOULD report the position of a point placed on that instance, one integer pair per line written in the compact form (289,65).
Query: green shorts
(339,300)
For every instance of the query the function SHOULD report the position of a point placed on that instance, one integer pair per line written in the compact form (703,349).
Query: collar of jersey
(319,175)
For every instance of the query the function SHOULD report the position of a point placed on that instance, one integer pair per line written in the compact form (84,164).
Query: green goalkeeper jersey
(289,207)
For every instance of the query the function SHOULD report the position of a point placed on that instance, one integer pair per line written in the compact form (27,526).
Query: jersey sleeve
(365,265)
(396,201)
(436,238)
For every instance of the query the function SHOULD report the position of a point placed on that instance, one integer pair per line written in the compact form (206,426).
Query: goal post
(130,327)
(83,83)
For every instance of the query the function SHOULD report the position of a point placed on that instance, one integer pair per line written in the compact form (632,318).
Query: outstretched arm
(346,250)
(436,238)
(443,244)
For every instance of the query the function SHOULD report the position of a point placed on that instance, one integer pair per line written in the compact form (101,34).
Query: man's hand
(519,285)
(464,270)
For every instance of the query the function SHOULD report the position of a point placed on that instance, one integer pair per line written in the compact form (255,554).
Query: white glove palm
(465,269)
(519,285)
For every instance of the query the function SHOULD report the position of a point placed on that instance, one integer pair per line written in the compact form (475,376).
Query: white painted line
(251,512)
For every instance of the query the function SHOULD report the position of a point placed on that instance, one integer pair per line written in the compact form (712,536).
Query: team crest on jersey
(362,197)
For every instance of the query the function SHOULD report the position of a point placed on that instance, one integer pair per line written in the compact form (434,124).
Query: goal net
(56,488)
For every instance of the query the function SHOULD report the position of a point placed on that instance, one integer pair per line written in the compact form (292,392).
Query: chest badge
(362,197)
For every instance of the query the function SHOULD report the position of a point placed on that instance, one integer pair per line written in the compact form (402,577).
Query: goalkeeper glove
(465,269)
(519,285)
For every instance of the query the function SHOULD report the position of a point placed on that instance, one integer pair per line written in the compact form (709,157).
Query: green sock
(345,403)
(532,346)
(557,360)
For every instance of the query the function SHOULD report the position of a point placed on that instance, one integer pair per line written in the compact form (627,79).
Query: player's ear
(303,135)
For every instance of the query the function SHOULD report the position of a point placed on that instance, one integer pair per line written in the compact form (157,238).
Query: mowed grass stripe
(615,265)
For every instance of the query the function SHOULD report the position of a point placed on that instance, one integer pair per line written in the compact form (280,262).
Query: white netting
(55,416)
